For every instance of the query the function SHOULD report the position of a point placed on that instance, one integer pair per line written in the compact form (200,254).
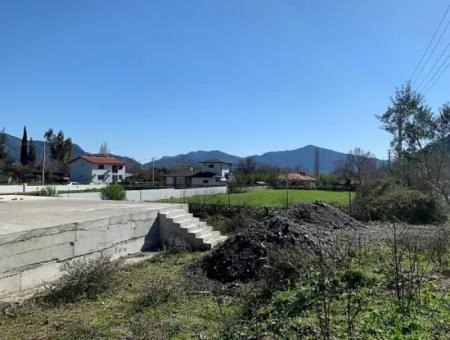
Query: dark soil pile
(323,215)
(242,257)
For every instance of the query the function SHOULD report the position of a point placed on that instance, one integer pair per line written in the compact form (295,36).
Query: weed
(158,290)
(82,279)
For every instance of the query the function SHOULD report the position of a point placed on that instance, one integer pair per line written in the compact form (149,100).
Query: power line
(433,67)
(444,67)
(414,75)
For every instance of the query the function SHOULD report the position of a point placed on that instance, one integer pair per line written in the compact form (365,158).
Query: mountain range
(301,158)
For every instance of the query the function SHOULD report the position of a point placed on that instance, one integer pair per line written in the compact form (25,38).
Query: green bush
(48,191)
(114,192)
(390,202)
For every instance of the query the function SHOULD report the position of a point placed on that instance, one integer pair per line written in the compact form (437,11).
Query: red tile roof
(297,177)
(100,160)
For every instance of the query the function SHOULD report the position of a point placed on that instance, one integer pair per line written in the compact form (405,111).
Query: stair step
(203,233)
(189,228)
(190,221)
(199,232)
(215,240)
(182,217)
(173,212)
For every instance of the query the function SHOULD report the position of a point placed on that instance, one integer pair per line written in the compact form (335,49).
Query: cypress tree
(31,152)
(3,151)
(24,148)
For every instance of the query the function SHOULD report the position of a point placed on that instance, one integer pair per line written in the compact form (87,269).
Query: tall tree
(104,149)
(428,140)
(421,141)
(31,152)
(407,107)
(359,165)
(247,165)
(24,148)
(60,148)
(3,151)
(316,162)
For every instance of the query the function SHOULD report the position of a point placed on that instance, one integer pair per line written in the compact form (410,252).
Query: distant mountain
(13,147)
(301,159)
(192,158)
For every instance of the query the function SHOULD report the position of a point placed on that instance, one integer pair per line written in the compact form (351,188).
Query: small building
(209,173)
(97,170)
(219,168)
(298,179)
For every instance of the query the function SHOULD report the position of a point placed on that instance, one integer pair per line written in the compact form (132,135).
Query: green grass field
(271,197)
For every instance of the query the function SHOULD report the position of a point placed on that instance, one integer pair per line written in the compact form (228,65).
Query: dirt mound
(242,257)
(323,215)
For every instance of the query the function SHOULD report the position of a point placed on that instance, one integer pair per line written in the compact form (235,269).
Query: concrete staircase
(179,223)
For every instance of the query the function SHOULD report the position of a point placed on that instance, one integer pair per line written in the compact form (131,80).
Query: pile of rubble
(309,226)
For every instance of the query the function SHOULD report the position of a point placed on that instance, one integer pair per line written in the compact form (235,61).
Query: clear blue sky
(163,77)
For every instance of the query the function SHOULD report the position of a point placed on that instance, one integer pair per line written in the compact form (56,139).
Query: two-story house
(97,170)
(210,173)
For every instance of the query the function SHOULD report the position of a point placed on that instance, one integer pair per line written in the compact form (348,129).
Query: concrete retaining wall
(154,194)
(29,257)
(24,188)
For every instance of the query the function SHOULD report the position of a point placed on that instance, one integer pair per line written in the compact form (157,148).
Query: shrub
(385,201)
(48,191)
(82,279)
(114,192)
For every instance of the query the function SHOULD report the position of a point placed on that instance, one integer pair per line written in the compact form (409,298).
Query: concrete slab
(31,214)
(38,236)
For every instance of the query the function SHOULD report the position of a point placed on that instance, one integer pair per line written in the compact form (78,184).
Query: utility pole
(153,173)
(43,167)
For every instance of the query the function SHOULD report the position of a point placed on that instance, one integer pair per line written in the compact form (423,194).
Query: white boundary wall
(154,194)
(23,188)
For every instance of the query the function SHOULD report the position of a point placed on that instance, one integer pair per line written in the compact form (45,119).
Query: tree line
(59,152)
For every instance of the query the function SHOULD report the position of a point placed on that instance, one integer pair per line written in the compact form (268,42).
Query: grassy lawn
(155,300)
(270,197)
(121,312)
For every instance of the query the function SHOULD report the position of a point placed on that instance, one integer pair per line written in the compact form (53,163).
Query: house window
(120,167)
(120,176)
(114,168)
(211,166)
(205,181)
(217,179)
(101,177)
(101,167)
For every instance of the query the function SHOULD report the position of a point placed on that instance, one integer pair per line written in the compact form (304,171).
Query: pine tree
(24,148)
(3,151)
(316,162)
(31,152)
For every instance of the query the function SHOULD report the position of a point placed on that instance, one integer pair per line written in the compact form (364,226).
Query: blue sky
(162,77)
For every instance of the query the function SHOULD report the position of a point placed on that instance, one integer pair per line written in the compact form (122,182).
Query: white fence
(153,194)
(24,188)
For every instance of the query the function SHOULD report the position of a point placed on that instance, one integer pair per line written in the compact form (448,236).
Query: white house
(211,173)
(97,170)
